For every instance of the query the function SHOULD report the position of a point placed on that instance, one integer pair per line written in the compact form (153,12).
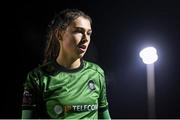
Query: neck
(68,62)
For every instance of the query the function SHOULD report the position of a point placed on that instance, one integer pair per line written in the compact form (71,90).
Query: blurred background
(120,30)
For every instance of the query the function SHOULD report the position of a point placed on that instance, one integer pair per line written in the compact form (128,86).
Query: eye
(89,33)
(78,31)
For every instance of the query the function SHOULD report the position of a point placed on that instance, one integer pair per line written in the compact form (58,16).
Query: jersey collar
(63,69)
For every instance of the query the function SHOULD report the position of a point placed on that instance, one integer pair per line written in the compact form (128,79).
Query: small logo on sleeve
(27,98)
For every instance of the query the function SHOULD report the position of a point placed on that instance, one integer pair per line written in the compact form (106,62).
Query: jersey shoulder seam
(95,67)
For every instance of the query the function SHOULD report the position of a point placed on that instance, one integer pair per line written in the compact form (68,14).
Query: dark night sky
(120,30)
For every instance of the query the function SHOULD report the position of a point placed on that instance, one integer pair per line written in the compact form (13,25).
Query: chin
(80,55)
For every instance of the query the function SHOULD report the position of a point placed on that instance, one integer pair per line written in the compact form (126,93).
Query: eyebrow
(81,28)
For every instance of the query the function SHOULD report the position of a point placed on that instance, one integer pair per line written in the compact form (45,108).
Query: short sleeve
(103,103)
(29,100)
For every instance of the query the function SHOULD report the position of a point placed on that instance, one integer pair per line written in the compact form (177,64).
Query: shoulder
(42,69)
(36,75)
(93,66)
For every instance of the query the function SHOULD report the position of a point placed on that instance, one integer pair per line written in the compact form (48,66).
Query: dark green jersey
(51,91)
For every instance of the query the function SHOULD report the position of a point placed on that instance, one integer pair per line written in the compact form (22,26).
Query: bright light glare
(149,55)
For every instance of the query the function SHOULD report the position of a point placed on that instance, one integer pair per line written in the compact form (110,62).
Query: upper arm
(102,101)
(29,100)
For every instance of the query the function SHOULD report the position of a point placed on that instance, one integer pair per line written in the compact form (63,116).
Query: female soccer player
(66,86)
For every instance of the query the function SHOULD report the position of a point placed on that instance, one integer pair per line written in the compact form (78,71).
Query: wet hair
(60,22)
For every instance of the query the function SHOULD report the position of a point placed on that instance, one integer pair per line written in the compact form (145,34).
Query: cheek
(67,44)
(70,42)
(74,41)
(89,40)
(77,38)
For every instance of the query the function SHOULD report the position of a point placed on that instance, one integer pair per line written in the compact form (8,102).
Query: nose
(84,38)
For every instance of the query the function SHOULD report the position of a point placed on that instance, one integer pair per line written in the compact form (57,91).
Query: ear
(58,34)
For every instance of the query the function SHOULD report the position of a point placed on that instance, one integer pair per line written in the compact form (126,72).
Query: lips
(82,48)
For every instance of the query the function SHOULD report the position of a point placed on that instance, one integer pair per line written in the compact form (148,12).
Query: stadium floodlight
(149,55)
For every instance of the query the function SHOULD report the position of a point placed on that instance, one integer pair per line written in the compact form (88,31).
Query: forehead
(81,22)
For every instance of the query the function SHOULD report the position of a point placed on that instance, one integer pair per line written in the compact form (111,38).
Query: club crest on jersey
(91,85)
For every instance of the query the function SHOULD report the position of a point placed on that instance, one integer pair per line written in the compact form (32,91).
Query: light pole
(149,56)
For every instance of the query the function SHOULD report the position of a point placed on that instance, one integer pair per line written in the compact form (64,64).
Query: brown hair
(60,22)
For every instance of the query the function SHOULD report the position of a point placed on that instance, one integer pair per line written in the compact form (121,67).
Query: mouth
(82,48)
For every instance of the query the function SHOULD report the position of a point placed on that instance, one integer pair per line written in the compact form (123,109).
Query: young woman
(66,86)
